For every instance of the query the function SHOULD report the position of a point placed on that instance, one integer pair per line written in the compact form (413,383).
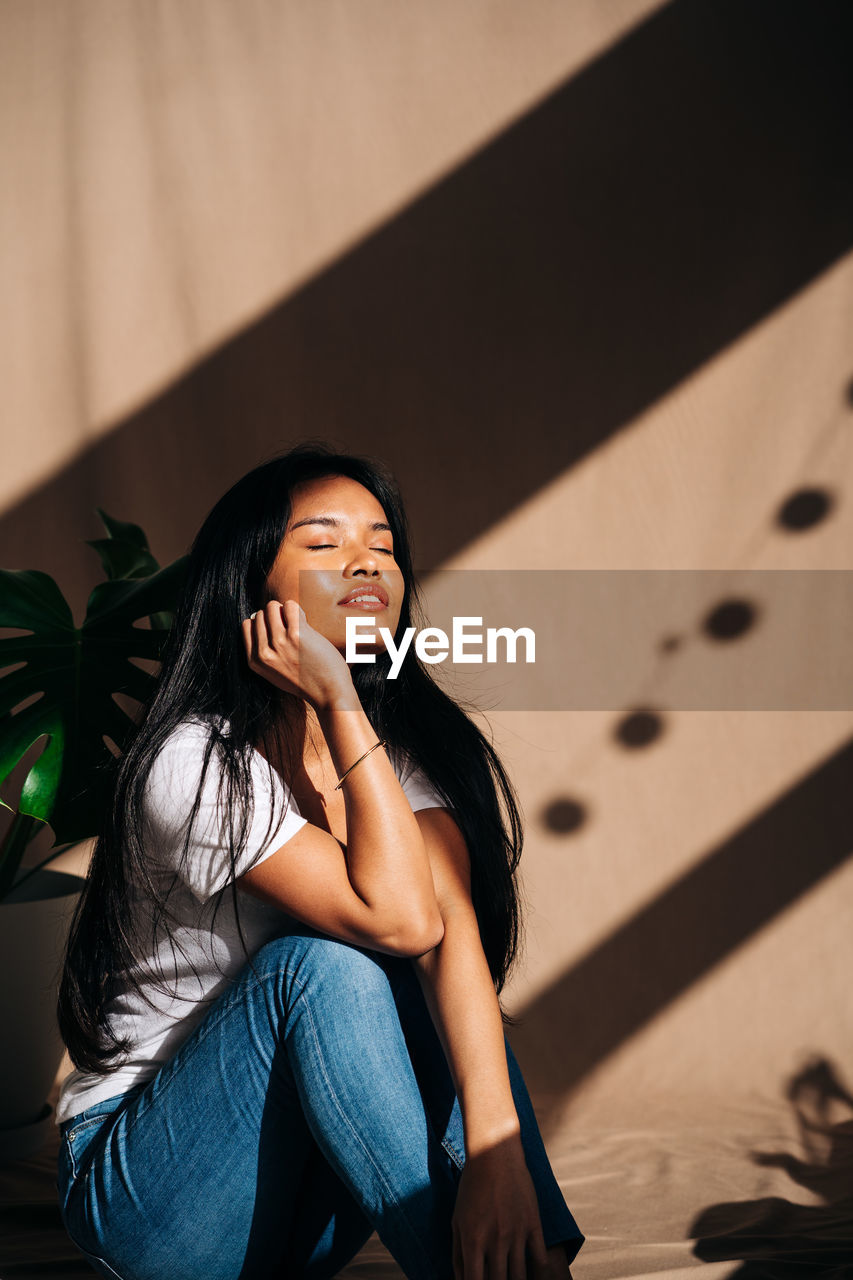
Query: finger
(250,638)
(496,1262)
(293,614)
(536,1247)
(472,1263)
(275,625)
(246,628)
(261,636)
(458,1266)
(292,611)
(517,1269)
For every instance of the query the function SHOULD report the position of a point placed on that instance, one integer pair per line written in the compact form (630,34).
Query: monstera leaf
(74,672)
(124,552)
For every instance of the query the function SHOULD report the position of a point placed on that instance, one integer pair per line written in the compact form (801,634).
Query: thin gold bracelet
(358,761)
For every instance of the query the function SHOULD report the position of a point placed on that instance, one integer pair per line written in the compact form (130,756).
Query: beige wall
(175,169)
(581,273)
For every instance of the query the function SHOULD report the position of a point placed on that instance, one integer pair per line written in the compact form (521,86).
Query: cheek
(394,620)
(305,586)
(397,603)
(319,593)
(282,587)
(283,580)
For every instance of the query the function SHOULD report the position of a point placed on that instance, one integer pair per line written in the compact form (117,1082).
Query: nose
(362,561)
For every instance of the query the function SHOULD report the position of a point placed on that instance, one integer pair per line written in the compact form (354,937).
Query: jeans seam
(204,1032)
(75,1172)
(456,1156)
(86,1124)
(88,1253)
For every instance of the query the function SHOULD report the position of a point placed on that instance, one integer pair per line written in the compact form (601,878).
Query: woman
(281,986)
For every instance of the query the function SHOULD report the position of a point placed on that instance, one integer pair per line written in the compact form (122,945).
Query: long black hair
(204,676)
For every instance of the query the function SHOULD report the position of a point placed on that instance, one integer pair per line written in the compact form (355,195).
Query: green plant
(57,683)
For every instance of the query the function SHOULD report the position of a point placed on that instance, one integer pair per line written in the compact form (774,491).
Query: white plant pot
(34,921)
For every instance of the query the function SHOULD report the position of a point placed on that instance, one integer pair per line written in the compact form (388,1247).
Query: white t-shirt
(212,952)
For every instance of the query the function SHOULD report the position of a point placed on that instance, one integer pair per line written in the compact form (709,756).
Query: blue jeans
(311,1106)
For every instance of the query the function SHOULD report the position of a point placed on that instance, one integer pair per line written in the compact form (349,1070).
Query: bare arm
(497,1214)
(386,857)
(458,988)
(379,890)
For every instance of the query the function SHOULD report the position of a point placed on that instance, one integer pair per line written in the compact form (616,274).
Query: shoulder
(181,756)
(190,815)
(190,763)
(174,776)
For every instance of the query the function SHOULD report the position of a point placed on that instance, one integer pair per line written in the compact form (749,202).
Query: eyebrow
(331,522)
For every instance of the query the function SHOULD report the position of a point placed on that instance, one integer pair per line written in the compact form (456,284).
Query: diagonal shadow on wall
(669,196)
(648,962)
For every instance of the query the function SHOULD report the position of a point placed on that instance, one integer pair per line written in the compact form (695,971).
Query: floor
(747,1189)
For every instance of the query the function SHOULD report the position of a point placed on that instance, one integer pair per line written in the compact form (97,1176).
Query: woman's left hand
(497,1230)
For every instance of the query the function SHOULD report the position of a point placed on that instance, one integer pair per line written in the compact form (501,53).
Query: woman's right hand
(284,648)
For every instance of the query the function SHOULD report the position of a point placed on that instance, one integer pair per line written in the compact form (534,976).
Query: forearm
(461,998)
(386,857)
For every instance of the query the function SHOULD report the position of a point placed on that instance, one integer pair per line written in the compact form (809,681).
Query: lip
(351,601)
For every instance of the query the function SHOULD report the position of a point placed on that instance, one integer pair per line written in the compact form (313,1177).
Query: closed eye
(328,546)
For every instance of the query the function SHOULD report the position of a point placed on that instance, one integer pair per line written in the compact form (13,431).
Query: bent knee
(309,956)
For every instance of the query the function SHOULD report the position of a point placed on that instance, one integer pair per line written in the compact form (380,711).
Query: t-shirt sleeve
(170,791)
(417,787)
